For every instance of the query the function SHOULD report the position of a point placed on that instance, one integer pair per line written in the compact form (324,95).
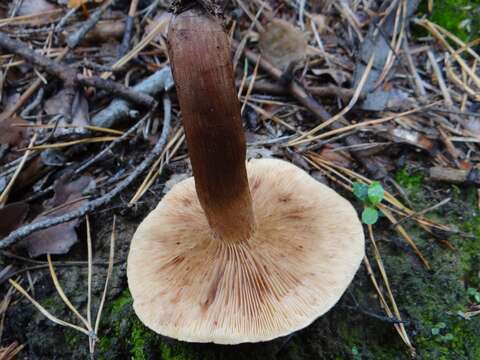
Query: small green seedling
(356,354)
(474,294)
(439,331)
(371,195)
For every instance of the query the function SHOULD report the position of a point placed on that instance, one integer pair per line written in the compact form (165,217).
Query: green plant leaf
(369,216)
(435,331)
(447,337)
(360,190)
(375,193)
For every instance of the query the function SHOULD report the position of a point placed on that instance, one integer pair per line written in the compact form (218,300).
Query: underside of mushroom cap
(189,285)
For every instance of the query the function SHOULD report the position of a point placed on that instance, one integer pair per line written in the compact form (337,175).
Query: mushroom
(241,252)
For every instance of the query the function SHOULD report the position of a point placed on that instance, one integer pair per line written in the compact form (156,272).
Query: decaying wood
(200,56)
(455,176)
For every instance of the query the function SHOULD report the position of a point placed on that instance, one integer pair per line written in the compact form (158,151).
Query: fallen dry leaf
(12,216)
(11,136)
(321,22)
(60,238)
(282,43)
(57,105)
(337,157)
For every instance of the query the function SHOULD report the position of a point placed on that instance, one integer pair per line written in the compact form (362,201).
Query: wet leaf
(53,157)
(12,216)
(10,135)
(381,99)
(337,157)
(57,105)
(282,43)
(60,238)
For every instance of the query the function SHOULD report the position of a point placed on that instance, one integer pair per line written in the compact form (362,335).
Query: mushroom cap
(189,285)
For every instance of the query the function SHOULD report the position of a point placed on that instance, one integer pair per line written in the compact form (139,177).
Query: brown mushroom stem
(199,53)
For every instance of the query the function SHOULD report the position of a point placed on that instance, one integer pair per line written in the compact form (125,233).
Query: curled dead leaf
(57,105)
(282,43)
(10,135)
(12,216)
(60,238)
(339,158)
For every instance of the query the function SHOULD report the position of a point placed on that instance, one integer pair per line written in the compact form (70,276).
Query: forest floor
(383,91)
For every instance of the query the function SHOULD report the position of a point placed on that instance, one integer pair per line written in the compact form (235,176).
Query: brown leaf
(12,216)
(57,105)
(60,238)
(337,157)
(282,43)
(321,22)
(10,135)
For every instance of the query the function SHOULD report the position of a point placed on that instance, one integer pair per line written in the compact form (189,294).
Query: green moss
(124,336)
(73,338)
(169,352)
(470,251)
(457,16)
(410,180)
(123,300)
(54,304)
(139,338)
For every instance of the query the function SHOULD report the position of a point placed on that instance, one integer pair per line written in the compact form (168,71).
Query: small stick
(69,75)
(456,176)
(6,191)
(26,230)
(127,35)
(118,89)
(440,79)
(74,39)
(111,145)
